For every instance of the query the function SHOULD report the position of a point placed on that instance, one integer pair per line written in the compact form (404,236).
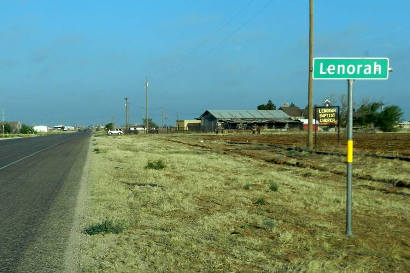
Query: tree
(268,106)
(7,128)
(109,126)
(388,119)
(151,124)
(367,114)
(292,105)
(25,129)
(343,109)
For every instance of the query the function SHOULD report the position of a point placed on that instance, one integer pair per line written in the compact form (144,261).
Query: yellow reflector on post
(349,151)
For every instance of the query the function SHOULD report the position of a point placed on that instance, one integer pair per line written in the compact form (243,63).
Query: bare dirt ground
(378,157)
(389,144)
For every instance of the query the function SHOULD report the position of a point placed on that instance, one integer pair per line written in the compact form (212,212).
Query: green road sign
(350,68)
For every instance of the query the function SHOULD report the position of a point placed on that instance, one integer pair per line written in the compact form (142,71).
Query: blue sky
(73,62)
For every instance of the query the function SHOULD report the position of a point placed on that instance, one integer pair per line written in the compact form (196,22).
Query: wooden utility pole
(310,80)
(146,107)
(2,118)
(162,117)
(127,114)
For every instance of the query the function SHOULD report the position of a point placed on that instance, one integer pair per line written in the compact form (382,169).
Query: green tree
(388,119)
(268,106)
(109,126)
(25,129)
(367,114)
(7,128)
(151,124)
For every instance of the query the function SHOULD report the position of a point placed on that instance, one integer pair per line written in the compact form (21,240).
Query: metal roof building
(212,120)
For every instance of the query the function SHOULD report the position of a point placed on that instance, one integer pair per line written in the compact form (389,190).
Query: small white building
(404,125)
(41,128)
(68,128)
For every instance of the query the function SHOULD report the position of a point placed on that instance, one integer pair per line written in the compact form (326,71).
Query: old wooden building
(212,120)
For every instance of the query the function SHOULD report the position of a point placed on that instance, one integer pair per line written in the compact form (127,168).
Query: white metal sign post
(349,158)
(350,69)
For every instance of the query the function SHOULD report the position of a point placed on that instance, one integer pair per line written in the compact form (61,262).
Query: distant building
(58,127)
(404,125)
(68,128)
(189,125)
(295,112)
(315,124)
(212,120)
(64,127)
(41,128)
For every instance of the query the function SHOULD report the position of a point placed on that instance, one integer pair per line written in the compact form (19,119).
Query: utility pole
(127,114)
(2,118)
(310,81)
(146,106)
(162,117)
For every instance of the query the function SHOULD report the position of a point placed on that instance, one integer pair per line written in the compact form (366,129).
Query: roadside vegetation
(374,114)
(370,114)
(172,203)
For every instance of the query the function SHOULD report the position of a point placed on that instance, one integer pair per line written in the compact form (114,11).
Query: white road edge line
(28,156)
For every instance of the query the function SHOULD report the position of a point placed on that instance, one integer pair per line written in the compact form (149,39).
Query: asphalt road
(39,182)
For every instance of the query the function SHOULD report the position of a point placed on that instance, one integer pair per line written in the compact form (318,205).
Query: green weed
(155,165)
(260,201)
(107,226)
(273,186)
(269,224)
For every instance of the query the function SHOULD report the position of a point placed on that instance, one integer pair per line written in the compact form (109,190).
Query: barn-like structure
(212,120)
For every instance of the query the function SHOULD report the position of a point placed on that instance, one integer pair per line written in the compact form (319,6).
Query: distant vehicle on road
(115,132)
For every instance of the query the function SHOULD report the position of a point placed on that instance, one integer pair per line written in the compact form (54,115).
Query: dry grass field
(202,203)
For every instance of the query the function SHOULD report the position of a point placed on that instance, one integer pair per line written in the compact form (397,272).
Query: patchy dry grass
(213,212)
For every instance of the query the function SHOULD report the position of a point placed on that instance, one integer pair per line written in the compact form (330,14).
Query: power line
(238,29)
(220,29)
(243,24)
(223,26)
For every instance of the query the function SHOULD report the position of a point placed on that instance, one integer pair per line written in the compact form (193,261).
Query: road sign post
(349,158)
(350,69)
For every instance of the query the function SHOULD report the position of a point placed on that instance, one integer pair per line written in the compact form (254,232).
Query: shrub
(260,201)
(155,165)
(273,186)
(107,226)
(389,118)
(109,126)
(269,224)
(25,129)
(247,186)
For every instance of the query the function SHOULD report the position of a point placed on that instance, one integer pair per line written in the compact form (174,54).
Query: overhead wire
(230,34)
(223,26)
(233,33)
(214,33)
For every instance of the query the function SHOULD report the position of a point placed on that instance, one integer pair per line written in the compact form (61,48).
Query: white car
(115,132)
